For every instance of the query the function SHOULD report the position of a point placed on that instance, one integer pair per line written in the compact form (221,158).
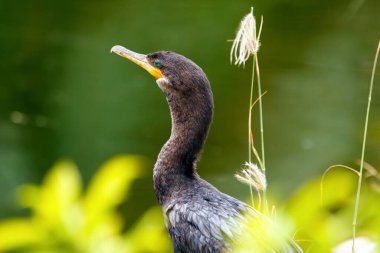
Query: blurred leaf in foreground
(262,234)
(326,222)
(65,218)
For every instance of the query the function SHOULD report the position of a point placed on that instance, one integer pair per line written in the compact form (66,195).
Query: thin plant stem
(251,193)
(363,151)
(261,112)
(331,168)
(250,137)
(265,203)
(259,205)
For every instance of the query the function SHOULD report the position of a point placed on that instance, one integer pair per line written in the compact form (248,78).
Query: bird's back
(202,219)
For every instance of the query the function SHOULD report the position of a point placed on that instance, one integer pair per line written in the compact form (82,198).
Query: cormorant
(198,217)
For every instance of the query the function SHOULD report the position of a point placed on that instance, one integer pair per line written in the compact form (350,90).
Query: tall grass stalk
(250,135)
(261,116)
(260,112)
(363,151)
(246,44)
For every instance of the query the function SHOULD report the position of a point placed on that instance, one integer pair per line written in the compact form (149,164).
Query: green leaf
(149,234)
(110,184)
(19,232)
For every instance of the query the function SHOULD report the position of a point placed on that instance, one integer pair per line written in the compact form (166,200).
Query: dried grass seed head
(246,42)
(253,176)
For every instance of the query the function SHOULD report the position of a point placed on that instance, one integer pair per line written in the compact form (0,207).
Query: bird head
(174,73)
(188,94)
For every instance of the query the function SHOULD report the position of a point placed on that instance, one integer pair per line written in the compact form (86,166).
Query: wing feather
(209,224)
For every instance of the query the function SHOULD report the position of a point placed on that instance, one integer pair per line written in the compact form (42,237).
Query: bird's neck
(191,119)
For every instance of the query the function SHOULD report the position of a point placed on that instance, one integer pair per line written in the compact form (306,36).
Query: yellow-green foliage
(319,221)
(326,222)
(68,219)
(65,218)
(262,235)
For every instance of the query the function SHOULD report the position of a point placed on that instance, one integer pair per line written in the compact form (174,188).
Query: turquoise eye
(157,63)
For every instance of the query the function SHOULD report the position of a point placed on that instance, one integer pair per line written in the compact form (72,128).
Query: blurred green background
(63,95)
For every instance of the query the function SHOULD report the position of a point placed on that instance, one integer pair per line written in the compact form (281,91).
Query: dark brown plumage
(199,218)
